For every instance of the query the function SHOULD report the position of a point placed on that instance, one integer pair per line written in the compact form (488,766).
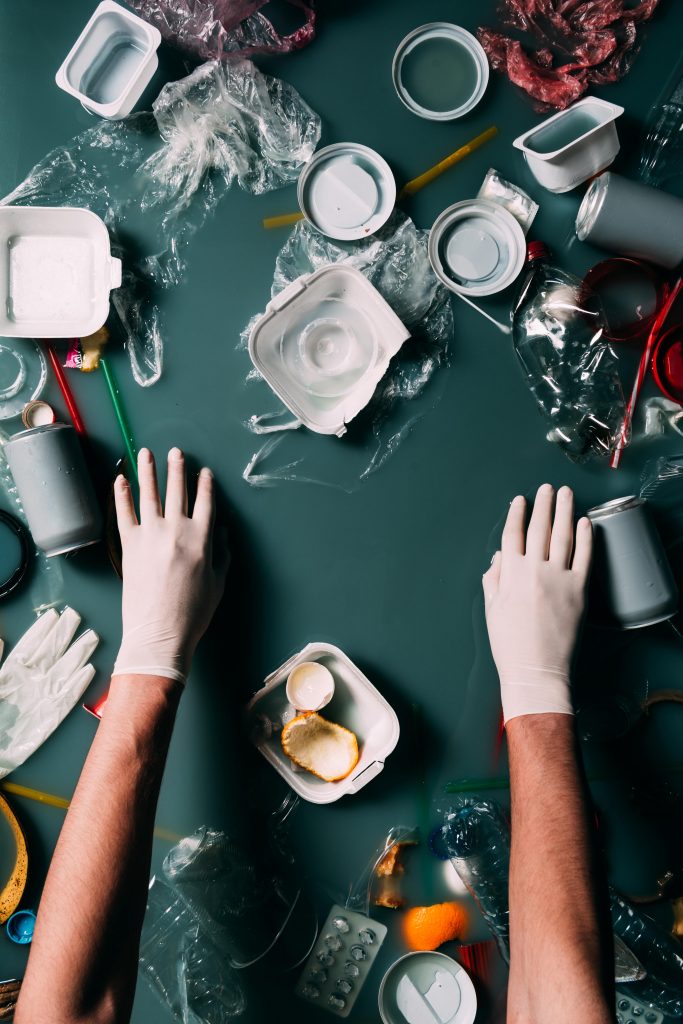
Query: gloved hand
(40,682)
(173,570)
(535,594)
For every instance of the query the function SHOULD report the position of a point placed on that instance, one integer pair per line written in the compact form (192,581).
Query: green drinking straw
(121,418)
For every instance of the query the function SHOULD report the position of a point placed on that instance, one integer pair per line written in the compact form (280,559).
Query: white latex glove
(40,682)
(535,595)
(173,573)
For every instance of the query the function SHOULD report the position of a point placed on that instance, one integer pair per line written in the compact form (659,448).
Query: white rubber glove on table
(172,576)
(535,594)
(42,679)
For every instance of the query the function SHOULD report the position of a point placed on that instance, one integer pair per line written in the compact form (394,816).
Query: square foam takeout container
(357,705)
(93,278)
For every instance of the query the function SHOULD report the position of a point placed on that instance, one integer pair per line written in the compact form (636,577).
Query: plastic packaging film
(183,967)
(395,261)
(162,174)
(580,44)
(223,28)
(570,367)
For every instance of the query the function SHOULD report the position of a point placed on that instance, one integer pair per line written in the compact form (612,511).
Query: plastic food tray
(357,705)
(56,272)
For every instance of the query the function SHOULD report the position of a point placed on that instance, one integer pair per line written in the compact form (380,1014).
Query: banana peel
(10,897)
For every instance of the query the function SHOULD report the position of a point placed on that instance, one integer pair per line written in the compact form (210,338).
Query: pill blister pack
(336,970)
(631,1011)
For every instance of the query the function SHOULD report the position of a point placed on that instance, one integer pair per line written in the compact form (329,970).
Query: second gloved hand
(173,571)
(535,594)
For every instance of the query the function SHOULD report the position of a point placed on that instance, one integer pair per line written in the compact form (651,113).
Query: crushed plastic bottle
(559,337)
(660,157)
(660,954)
(477,838)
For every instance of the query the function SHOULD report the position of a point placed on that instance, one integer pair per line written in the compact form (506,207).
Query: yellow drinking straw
(63,804)
(411,187)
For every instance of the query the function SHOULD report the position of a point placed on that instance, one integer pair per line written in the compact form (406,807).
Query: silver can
(53,484)
(632,219)
(631,565)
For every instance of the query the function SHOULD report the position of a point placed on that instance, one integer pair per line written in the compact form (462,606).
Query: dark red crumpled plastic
(217,29)
(581,43)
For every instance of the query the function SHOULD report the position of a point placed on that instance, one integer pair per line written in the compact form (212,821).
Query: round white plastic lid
(476,247)
(347,191)
(471,49)
(427,988)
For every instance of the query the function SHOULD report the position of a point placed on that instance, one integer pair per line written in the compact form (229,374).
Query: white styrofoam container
(357,705)
(56,272)
(112,62)
(594,147)
(346,311)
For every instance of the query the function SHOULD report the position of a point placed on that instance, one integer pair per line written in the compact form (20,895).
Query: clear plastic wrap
(395,261)
(215,29)
(580,44)
(155,179)
(572,371)
(236,895)
(183,967)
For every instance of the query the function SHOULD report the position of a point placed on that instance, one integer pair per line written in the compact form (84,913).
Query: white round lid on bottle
(347,191)
(476,247)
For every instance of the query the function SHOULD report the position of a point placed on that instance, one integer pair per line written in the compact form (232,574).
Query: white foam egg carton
(357,705)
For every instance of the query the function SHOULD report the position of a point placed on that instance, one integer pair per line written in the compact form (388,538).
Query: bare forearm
(83,962)
(561,964)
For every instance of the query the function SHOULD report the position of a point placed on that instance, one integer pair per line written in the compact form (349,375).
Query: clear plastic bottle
(660,954)
(477,837)
(660,157)
(559,337)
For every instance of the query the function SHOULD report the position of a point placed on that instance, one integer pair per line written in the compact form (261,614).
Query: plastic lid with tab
(427,988)
(477,247)
(347,191)
(324,343)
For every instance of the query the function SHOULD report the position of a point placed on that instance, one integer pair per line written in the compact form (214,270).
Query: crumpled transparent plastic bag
(155,178)
(182,965)
(558,332)
(214,29)
(395,261)
(235,894)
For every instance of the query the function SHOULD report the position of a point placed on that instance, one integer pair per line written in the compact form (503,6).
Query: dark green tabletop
(390,572)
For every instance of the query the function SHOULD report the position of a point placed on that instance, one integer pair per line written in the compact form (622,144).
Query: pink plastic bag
(216,29)
(582,43)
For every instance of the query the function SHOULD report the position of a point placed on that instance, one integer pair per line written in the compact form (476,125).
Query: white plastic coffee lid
(477,247)
(467,51)
(427,988)
(347,191)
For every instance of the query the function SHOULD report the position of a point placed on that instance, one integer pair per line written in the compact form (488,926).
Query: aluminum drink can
(631,564)
(53,484)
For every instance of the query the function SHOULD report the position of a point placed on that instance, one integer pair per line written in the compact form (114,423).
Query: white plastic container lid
(427,988)
(434,45)
(357,705)
(477,247)
(56,272)
(112,62)
(324,343)
(347,191)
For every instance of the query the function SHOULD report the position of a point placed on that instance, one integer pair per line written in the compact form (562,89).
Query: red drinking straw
(67,393)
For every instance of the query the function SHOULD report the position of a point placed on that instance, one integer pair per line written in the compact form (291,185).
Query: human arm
(561,964)
(83,962)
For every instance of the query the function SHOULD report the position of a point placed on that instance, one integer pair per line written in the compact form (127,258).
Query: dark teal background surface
(391,572)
